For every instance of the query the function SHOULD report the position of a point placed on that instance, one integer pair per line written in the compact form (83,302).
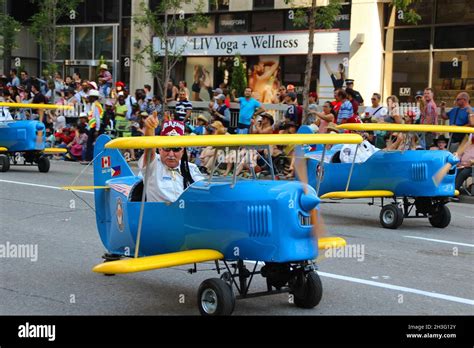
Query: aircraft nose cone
(40,126)
(309,201)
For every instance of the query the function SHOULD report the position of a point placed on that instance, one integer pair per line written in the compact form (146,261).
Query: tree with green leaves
(239,76)
(9,29)
(44,27)
(324,17)
(164,24)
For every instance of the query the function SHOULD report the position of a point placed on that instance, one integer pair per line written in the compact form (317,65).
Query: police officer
(357,96)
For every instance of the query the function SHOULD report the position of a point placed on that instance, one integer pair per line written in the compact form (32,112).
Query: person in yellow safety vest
(93,124)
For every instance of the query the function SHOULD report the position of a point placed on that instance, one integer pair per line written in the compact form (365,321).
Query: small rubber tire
(442,218)
(312,292)
(215,297)
(43,164)
(391,216)
(4,163)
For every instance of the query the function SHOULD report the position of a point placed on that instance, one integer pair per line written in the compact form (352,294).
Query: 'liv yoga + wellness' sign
(255,44)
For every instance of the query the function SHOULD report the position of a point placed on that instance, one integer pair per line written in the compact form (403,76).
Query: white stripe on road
(42,186)
(399,288)
(393,287)
(441,241)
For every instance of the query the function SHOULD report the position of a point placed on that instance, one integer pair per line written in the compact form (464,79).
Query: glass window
(264,4)
(219,5)
(103,42)
(454,37)
(412,39)
(111,11)
(452,74)
(455,11)
(209,29)
(126,8)
(294,71)
(233,23)
(424,8)
(83,44)
(154,4)
(64,40)
(290,23)
(267,21)
(410,74)
(125,37)
(94,11)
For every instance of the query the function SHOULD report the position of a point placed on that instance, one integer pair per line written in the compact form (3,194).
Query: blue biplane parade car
(229,223)
(418,183)
(26,138)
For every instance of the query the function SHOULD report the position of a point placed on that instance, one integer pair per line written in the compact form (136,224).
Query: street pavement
(415,270)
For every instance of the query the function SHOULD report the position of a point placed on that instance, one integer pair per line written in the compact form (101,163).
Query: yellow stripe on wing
(148,142)
(391,127)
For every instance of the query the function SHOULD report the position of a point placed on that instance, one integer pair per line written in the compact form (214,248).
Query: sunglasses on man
(174,149)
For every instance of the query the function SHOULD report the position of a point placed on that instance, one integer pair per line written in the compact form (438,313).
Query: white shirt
(165,184)
(378,112)
(5,114)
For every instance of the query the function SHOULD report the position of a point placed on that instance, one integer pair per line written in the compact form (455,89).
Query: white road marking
(399,288)
(392,287)
(42,186)
(441,241)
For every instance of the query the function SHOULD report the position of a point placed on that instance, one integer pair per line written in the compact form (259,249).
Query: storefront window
(411,39)
(410,74)
(454,11)
(199,76)
(264,4)
(233,23)
(219,5)
(294,71)
(267,21)
(111,11)
(452,74)
(103,42)
(210,28)
(83,44)
(454,37)
(125,37)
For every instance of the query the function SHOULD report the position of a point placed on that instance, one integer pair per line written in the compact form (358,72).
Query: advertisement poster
(200,78)
(264,78)
(334,69)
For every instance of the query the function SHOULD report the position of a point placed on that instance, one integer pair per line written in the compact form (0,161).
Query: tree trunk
(165,75)
(309,61)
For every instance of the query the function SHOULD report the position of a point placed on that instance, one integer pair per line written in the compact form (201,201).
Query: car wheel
(43,164)
(4,163)
(391,216)
(309,291)
(441,218)
(215,297)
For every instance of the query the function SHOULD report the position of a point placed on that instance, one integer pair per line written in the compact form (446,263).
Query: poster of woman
(199,71)
(263,78)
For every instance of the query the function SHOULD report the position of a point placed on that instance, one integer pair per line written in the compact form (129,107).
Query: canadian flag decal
(106,162)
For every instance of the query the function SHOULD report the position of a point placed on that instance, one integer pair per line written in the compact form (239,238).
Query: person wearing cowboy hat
(170,173)
(202,123)
(105,79)
(441,143)
(264,125)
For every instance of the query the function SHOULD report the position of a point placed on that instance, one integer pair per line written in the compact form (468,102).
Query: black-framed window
(266,4)
(411,39)
(233,23)
(94,11)
(454,11)
(218,5)
(454,37)
(267,21)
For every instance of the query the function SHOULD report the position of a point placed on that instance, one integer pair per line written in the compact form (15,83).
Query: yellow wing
(232,140)
(331,242)
(149,263)
(357,194)
(54,151)
(37,106)
(3,149)
(392,127)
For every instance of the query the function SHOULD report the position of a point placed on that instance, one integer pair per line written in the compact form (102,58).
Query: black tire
(391,216)
(215,297)
(43,164)
(312,292)
(4,163)
(441,218)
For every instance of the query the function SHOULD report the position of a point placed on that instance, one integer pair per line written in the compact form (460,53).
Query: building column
(366,47)
(139,74)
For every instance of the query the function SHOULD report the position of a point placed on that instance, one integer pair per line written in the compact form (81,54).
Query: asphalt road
(415,270)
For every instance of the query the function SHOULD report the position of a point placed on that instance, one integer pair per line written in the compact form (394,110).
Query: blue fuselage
(22,136)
